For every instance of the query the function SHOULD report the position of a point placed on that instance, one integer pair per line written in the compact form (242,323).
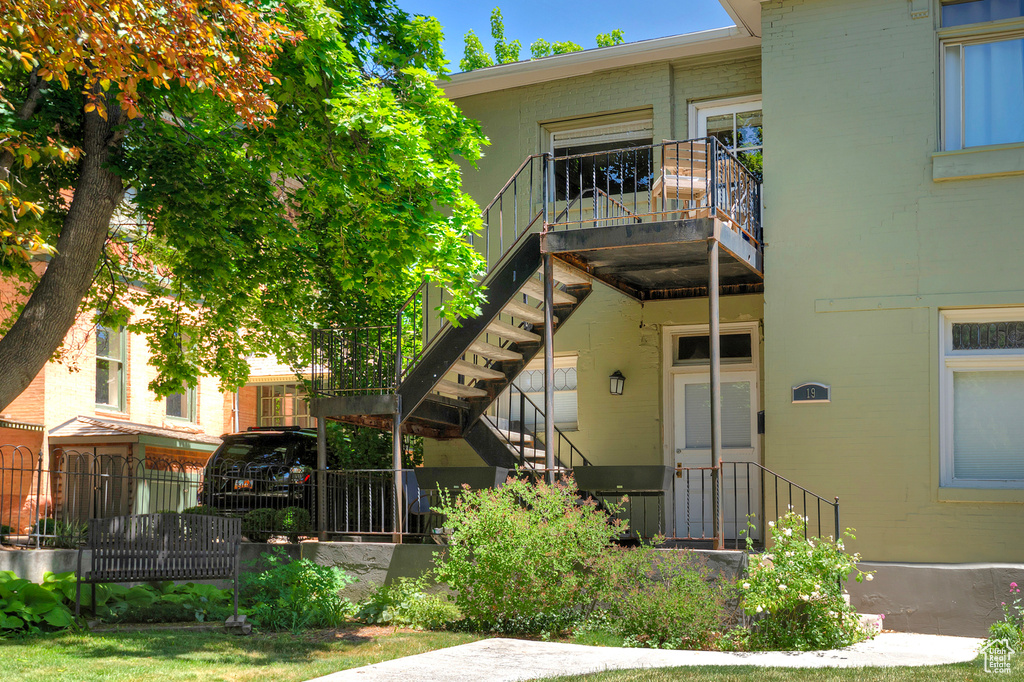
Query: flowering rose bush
(795,593)
(1011,627)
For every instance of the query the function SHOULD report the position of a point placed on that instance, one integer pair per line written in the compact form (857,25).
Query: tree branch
(36,86)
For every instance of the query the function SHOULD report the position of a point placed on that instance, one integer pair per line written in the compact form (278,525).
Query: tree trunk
(51,310)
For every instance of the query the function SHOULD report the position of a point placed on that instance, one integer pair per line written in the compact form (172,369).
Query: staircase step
(446,387)
(507,331)
(534,287)
(492,352)
(528,313)
(566,274)
(468,369)
(515,436)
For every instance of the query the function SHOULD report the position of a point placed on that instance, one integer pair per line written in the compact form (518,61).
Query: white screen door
(692,404)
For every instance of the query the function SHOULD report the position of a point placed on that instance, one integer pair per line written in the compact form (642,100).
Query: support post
(321,478)
(396,465)
(549,366)
(714,343)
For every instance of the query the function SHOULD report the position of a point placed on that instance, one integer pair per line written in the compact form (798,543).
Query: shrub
(291,595)
(202,509)
(517,555)
(4,532)
(406,602)
(1011,627)
(795,591)
(258,524)
(293,522)
(28,608)
(61,534)
(660,599)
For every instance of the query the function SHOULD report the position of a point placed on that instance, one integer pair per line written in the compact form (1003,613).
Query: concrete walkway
(500,660)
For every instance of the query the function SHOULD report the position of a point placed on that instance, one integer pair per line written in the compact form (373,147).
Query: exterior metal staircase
(442,380)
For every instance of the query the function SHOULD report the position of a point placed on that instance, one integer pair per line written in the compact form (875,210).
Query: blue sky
(578,21)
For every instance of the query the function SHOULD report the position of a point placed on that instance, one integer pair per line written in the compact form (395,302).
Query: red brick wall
(247,407)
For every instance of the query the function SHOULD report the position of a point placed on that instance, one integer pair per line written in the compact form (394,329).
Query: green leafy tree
(317,192)
(506,52)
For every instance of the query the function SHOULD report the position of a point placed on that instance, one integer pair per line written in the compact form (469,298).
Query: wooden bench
(152,547)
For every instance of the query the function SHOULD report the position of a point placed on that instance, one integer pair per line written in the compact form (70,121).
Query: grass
(177,656)
(959,672)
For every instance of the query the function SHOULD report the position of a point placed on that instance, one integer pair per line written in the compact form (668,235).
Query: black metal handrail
(516,432)
(699,177)
(354,360)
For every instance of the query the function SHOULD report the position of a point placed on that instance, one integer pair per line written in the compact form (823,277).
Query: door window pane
(696,350)
(735,415)
(988,432)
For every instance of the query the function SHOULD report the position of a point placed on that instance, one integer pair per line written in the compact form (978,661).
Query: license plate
(245,484)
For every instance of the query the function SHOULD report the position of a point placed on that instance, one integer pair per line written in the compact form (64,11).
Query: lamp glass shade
(616,383)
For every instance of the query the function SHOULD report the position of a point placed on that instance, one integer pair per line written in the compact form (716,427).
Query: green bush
(406,602)
(293,522)
(202,509)
(4,532)
(795,591)
(291,595)
(1011,627)
(518,554)
(258,524)
(660,599)
(29,608)
(61,534)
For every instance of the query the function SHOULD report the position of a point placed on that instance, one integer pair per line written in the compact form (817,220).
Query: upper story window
(111,368)
(981,391)
(615,159)
(738,124)
(982,74)
(181,405)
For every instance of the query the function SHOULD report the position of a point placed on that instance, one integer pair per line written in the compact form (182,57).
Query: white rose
(759,609)
(804,597)
(782,587)
(771,524)
(789,531)
(746,586)
(869,577)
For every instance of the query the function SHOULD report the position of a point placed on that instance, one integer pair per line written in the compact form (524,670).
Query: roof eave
(519,74)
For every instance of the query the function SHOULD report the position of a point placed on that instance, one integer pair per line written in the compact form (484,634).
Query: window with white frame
(531,382)
(615,158)
(111,368)
(982,394)
(181,405)
(284,405)
(738,124)
(982,73)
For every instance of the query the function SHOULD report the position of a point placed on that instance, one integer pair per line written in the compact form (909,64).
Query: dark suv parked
(267,467)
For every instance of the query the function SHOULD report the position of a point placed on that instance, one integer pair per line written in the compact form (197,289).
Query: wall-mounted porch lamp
(616,382)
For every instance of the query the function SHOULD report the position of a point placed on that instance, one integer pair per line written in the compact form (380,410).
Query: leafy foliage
(795,591)
(60,534)
(202,509)
(293,522)
(1011,626)
(291,595)
(660,599)
(475,55)
(258,524)
(27,608)
(518,555)
(406,602)
(287,166)
(359,447)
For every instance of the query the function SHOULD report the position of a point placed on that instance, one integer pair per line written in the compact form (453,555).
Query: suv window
(267,450)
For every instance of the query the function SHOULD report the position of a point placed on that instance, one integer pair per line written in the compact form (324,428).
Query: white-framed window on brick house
(982,73)
(111,368)
(181,405)
(283,405)
(737,123)
(614,157)
(981,397)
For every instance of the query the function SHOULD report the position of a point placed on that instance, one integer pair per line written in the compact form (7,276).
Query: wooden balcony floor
(661,260)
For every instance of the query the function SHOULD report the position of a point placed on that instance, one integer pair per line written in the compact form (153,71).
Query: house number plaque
(812,393)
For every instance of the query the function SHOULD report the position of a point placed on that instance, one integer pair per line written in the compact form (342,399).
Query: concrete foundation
(372,563)
(944,599)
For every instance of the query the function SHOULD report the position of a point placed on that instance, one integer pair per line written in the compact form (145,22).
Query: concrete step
(469,369)
(492,352)
(507,331)
(445,387)
(535,288)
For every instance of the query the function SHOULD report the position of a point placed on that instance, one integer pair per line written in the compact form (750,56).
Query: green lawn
(961,672)
(173,656)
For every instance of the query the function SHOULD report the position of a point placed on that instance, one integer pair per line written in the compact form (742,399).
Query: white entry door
(741,488)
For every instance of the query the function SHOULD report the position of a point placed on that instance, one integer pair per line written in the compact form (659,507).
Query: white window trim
(122,384)
(670,369)
(698,112)
(951,361)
